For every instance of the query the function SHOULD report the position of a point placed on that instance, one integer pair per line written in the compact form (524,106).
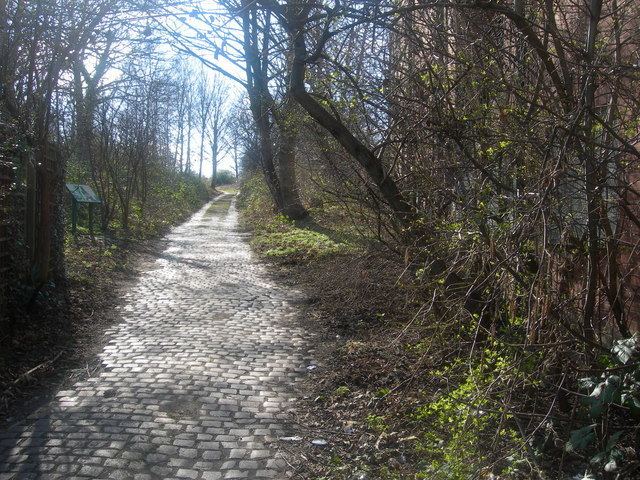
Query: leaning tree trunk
(372,165)
(266,155)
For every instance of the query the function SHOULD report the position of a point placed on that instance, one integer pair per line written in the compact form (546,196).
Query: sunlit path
(197,378)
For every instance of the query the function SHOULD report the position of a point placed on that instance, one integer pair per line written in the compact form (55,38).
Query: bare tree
(39,43)
(257,54)
(204,104)
(217,125)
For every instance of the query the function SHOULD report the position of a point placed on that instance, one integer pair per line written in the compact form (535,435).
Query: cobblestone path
(197,377)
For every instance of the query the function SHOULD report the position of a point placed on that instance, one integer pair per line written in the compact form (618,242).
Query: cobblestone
(197,377)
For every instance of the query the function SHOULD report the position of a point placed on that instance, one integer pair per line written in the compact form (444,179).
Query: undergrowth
(422,388)
(169,200)
(409,413)
(276,236)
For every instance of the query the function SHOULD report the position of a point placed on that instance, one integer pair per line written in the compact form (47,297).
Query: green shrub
(342,391)
(459,423)
(254,202)
(377,423)
(225,177)
(169,202)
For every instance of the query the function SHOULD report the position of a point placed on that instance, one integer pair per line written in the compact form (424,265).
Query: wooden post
(91,220)
(74,215)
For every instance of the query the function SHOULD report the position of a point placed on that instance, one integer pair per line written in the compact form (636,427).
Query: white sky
(189,28)
(201,27)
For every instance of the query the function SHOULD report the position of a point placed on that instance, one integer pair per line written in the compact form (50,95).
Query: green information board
(81,194)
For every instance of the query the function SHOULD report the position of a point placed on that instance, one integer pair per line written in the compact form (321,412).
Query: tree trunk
(258,93)
(354,147)
(266,155)
(189,123)
(31,212)
(591,172)
(291,203)
(214,162)
(235,158)
(201,150)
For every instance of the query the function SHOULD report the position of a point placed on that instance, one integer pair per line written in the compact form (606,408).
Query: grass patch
(297,243)
(231,189)
(219,207)
(277,237)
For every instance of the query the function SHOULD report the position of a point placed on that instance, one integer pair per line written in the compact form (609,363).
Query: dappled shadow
(198,375)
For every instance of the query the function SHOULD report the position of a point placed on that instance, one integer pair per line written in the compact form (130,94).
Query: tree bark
(591,172)
(214,162)
(291,204)
(259,95)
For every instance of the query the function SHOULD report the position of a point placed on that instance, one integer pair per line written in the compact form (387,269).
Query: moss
(297,242)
